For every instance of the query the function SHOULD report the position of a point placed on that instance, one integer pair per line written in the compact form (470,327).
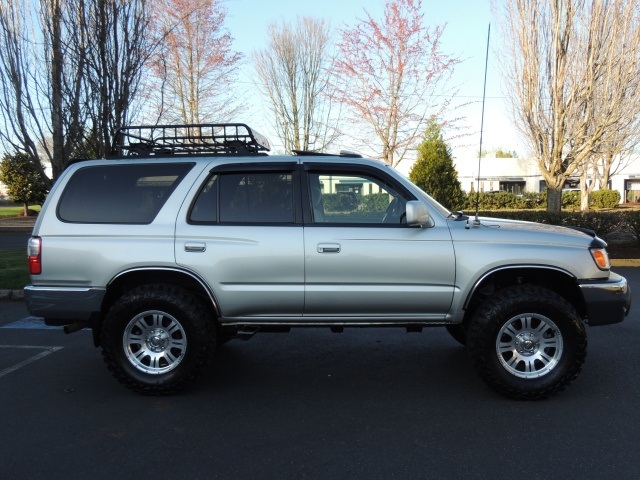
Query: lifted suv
(193,234)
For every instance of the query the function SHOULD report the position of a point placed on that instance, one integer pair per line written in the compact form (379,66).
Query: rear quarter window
(120,194)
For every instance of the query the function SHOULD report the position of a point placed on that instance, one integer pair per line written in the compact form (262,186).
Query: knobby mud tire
(185,312)
(484,338)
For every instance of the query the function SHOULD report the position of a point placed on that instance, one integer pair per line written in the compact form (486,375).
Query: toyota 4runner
(192,235)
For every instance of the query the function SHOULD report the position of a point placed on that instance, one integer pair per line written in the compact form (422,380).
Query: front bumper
(607,301)
(63,305)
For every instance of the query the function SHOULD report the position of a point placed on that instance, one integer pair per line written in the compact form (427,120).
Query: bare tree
(117,32)
(293,73)
(42,100)
(573,78)
(392,73)
(195,66)
(70,70)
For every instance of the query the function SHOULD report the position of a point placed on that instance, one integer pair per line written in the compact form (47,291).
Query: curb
(11,295)
(625,262)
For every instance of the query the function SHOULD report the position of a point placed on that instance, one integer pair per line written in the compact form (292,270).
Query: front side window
(355,199)
(119,193)
(245,197)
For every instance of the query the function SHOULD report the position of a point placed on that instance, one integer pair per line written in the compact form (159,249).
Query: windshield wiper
(457,216)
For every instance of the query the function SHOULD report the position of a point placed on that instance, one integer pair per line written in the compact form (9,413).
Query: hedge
(502,204)
(603,223)
(347,202)
(570,200)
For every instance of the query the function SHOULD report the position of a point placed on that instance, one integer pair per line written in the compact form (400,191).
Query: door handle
(195,247)
(328,248)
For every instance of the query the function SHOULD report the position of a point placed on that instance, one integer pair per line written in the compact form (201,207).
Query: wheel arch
(130,279)
(553,278)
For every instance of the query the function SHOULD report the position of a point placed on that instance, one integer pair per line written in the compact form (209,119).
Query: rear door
(361,258)
(243,235)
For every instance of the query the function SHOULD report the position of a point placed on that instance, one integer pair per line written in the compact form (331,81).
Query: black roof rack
(343,153)
(206,138)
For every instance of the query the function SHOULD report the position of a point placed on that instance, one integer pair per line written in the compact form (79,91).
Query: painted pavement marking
(47,351)
(30,323)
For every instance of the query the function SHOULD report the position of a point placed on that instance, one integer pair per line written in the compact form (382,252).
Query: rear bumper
(607,302)
(63,305)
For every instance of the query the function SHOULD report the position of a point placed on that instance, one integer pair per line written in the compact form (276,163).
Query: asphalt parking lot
(312,404)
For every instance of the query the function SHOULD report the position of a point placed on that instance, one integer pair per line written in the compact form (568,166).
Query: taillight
(34,255)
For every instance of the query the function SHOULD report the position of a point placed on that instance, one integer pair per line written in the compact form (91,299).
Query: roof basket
(206,138)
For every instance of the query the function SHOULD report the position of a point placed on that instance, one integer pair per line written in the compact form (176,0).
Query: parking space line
(30,323)
(47,351)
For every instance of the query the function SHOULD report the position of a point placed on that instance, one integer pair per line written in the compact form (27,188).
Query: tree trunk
(554,199)
(26,209)
(584,193)
(58,159)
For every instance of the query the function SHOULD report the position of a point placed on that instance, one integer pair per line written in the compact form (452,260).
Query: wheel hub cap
(157,340)
(154,342)
(529,345)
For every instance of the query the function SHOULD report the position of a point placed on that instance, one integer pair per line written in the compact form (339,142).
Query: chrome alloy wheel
(154,342)
(529,345)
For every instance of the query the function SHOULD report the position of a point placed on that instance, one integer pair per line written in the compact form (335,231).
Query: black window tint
(126,194)
(265,197)
(205,208)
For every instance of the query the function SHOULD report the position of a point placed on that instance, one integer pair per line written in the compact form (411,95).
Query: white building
(515,175)
(518,175)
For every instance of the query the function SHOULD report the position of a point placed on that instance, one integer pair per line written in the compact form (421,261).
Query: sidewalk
(17,224)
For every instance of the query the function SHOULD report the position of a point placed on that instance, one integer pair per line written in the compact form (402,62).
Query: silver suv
(193,235)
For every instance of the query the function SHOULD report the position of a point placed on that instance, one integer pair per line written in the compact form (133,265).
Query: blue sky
(465,36)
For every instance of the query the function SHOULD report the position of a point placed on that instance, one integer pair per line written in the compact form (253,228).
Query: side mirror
(418,214)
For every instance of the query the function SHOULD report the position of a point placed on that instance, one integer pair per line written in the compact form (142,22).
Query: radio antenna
(476,221)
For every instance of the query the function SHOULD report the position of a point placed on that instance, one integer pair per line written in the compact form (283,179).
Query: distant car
(193,235)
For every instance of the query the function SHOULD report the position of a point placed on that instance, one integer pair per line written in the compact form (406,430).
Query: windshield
(444,211)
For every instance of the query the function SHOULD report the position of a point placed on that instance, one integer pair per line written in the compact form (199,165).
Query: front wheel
(156,338)
(527,342)
(458,332)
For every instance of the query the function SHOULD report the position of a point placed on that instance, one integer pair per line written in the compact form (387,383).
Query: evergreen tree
(22,179)
(434,172)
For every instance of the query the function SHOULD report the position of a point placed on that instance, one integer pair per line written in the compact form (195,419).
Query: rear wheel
(527,342)
(156,338)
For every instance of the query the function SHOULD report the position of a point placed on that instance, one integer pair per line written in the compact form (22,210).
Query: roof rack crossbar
(193,139)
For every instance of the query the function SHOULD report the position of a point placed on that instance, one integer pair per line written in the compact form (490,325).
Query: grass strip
(15,211)
(13,269)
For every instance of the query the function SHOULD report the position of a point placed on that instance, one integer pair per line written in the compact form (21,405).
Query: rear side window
(121,194)
(247,197)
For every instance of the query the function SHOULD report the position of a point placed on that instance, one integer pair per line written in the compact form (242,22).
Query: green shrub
(339,202)
(571,200)
(601,199)
(505,200)
(376,202)
(533,200)
(434,171)
(604,198)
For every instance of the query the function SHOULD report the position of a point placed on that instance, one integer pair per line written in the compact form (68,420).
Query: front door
(361,259)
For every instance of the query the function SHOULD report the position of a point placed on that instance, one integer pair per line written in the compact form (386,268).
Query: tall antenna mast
(484,92)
